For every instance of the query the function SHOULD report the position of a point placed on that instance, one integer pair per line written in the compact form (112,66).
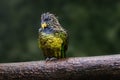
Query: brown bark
(79,68)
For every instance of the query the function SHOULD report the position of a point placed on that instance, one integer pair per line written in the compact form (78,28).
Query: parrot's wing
(65,43)
(64,36)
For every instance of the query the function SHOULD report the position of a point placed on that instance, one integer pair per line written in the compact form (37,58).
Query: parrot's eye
(47,19)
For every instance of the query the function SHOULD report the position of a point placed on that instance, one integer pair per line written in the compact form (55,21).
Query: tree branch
(79,68)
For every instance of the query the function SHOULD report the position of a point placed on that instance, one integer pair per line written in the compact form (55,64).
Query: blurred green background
(93,26)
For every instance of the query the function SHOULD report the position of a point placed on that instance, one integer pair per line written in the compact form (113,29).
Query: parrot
(53,38)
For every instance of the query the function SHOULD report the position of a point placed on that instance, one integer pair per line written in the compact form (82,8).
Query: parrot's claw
(51,59)
(47,59)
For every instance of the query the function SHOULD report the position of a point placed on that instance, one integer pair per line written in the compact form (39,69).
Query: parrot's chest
(50,41)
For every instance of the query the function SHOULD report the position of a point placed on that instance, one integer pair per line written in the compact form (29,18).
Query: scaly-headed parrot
(53,38)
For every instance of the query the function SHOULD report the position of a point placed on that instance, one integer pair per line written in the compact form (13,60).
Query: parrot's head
(49,20)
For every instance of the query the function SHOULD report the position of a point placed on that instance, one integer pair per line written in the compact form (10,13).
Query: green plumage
(53,39)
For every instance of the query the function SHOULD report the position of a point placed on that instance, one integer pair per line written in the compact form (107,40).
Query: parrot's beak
(43,25)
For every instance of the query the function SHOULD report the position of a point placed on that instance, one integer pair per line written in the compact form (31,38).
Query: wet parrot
(53,38)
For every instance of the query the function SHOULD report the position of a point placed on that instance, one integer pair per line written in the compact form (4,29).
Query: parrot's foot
(51,59)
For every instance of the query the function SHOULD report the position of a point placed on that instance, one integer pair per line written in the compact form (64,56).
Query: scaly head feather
(49,20)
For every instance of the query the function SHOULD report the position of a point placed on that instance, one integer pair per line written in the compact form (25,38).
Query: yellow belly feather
(52,41)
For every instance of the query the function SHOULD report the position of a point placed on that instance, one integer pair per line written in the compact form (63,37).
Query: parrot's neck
(48,30)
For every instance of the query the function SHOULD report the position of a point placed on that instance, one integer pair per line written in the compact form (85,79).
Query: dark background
(93,26)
